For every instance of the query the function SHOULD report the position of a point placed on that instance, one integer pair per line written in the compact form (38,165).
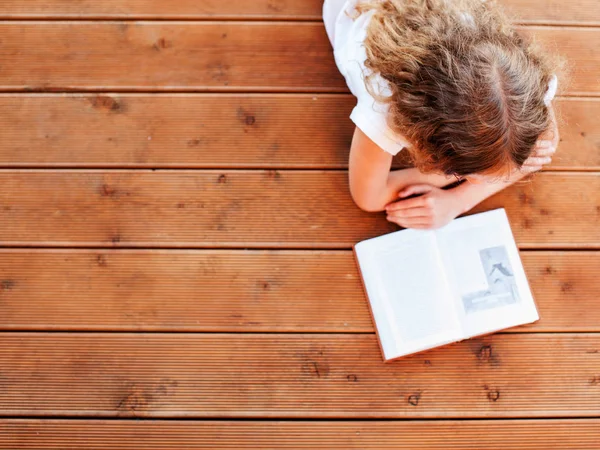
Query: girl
(454,85)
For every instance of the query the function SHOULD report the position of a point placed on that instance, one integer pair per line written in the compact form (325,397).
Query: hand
(544,147)
(434,209)
(542,155)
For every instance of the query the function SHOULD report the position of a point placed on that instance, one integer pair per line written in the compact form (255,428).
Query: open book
(434,287)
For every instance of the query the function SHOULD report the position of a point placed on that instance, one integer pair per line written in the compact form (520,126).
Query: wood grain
(218,131)
(242,291)
(196,56)
(174,9)
(293,376)
(205,56)
(582,434)
(529,11)
(278,209)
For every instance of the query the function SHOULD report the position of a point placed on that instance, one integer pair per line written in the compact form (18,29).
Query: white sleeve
(551,92)
(370,115)
(373,124)
(350,55)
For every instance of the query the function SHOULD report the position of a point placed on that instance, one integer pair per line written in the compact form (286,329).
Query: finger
(417,202)
(537,161)
(419,223)
(419,226)
(415,189)
(543,144)
(530,169)
(549,151)
(411,212)
(415,224)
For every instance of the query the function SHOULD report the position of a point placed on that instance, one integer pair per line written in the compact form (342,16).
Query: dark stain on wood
(544,212)
(413,399)
(566,287)
(108,191)
(139,399)
(549,270)
(273,174)
(180,205)
(8,285)
(196,142)
(101,260)
(222,179)
(583,134)
(219,72)
(162,44)
(352,378)
(317,369)
(246,118)
(526,199)
(493,395)
(313,362)
(107,103)
(485,353)
(116,239)
(527,223)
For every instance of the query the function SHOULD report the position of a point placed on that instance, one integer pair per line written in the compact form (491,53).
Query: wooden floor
(175,231)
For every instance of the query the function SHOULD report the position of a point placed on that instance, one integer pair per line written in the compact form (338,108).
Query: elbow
(367,203)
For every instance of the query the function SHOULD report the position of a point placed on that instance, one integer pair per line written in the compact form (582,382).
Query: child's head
(467,92)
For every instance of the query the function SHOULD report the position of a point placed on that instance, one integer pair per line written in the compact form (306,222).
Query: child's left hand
(433,209)
(541,156)
(545,147)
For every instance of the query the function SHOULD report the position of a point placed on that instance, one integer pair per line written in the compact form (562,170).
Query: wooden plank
(218,131)
(241,291)
(157,9)
(293,376)
(581,12)
(106,56)
(527,11)
(203,56)
(582,434)
(578,47)
(293,209)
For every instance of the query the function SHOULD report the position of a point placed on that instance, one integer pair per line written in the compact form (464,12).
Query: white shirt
(347,37)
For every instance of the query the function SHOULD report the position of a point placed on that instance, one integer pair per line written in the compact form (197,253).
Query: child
(451,82)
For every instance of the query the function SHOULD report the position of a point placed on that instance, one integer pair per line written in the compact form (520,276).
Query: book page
(485,273)
(408,292)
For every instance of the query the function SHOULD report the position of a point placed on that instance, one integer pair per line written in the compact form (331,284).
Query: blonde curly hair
(467,92)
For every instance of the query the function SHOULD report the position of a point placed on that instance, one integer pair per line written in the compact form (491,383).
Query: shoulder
(348,33)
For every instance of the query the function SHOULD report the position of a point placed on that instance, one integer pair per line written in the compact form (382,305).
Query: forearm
(469,195)
(400,179)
